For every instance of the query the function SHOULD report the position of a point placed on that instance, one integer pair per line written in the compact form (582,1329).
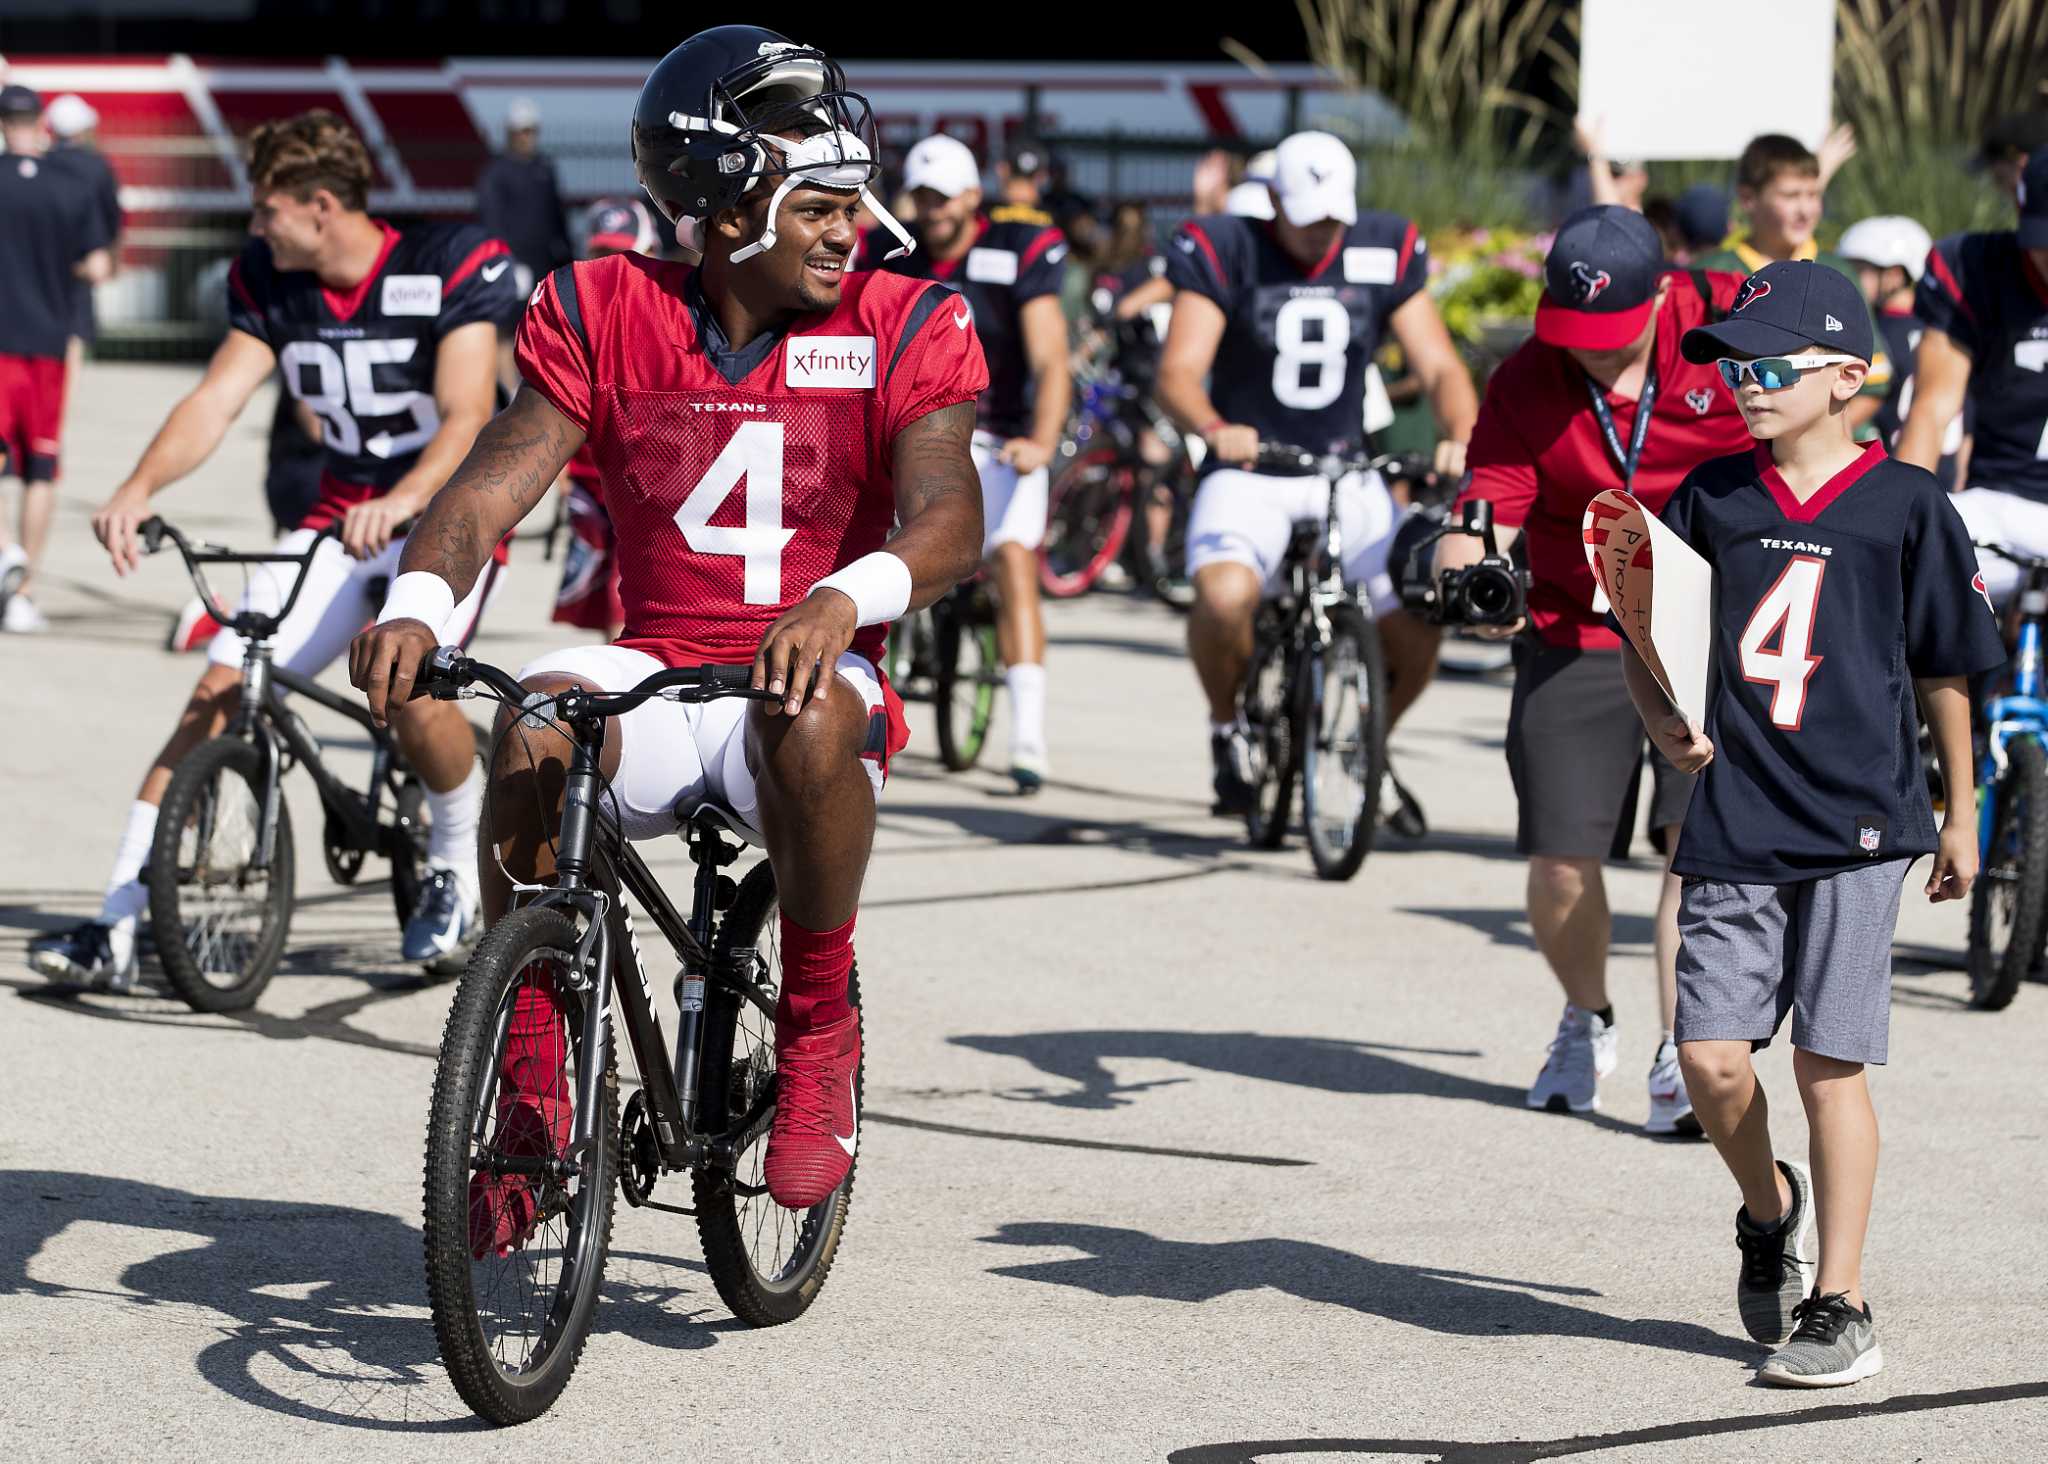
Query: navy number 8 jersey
(1293,359)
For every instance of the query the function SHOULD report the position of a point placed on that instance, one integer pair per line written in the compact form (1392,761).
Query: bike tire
(964,683)
(1087,520)
(2015,871)
(1270,710)
(725,1217)
(186,945)
(1340,838)
(465,1078)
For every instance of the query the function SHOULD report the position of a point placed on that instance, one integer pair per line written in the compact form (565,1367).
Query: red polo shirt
(1539,454)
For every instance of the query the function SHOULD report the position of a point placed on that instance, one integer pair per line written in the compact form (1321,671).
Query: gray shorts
(1575,751)
(1820,949)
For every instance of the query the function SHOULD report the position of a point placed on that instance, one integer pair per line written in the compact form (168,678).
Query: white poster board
(1662,593)
(1677,79)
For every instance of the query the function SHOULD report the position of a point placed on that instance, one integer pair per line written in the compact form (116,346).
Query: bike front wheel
(518,1213)
(1270,721)
(964,683)
(767,1262)
(1344,744)
(221,913)
(2009,905)
(1087,521)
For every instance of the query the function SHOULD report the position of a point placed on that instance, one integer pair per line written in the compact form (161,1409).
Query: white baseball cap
(943,164)
(1259,167)
(521,115)
(70,115)
(1885,240)
(1251,199)
(1315,178)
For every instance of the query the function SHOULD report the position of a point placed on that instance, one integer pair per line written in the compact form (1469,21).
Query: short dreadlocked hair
(315,149)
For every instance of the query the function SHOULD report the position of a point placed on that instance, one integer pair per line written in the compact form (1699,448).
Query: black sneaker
(1400,810)
(84,956)
(1834,1344)
(1772,1285)
(1235,796)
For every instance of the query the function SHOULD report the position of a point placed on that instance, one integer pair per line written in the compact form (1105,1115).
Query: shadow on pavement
(1128,1263)
(1509,925)
(1330,1064)
(318,1311)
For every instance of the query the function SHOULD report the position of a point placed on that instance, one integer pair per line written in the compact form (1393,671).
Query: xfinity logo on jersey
(845,361)
(1798,546)
(412,295)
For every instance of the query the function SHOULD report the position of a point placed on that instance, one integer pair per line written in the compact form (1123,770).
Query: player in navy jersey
(1274,324)
(1844,584)
(1889,255)
(784,444)
(1984,302)
(388,338)
(1008,270)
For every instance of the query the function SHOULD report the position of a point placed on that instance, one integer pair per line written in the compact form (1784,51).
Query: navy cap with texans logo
(1600,279)
(2033,229)
(1783,308)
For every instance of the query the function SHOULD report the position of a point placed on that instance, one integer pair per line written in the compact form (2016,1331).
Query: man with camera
(1600,399)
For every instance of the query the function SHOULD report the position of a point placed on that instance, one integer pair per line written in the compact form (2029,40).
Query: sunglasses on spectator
(1775,373)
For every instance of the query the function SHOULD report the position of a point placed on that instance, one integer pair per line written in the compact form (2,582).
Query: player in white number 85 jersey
(389,338)
(1274,324)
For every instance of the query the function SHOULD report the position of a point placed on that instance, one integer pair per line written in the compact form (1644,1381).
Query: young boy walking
(1845,581)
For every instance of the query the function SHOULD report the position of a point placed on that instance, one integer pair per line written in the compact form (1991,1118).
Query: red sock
(535,1045)
(815,968)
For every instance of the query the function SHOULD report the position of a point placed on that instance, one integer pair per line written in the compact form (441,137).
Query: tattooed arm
(510,467)
(938,503)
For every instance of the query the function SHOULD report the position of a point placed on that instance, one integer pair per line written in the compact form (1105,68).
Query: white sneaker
(1670,1108)
(1030,767)
(21,617)
(13,570)
(1582,1052)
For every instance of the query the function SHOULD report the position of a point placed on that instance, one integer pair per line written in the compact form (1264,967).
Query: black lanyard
(1605,416)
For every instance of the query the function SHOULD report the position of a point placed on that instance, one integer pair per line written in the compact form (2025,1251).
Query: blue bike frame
(2018,713)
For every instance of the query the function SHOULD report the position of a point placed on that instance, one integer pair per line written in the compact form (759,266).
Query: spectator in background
(1778,189)
(1701,216)
(52,234)
(1889,254)
(2007,144)
(517,200)
(73,123)
(1603,179)
(1022,173)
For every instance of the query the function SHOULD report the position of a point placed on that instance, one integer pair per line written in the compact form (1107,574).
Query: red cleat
(536,1115)
(810,1149)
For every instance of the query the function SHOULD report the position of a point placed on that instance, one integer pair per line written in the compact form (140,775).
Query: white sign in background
(1676,79)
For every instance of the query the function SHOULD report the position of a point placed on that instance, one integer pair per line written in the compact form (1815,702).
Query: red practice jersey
(736,479)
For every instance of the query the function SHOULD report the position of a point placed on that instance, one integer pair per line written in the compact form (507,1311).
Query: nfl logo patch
(1868,838)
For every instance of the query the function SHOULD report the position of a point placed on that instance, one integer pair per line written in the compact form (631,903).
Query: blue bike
(2009,906)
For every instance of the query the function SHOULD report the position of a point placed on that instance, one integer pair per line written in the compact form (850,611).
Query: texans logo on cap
(1753,289)
(1589,282)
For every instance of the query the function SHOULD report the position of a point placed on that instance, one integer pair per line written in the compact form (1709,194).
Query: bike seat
(708,813)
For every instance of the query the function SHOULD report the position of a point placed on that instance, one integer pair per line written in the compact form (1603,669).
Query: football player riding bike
(389,338)
(761,423)
(1274,324)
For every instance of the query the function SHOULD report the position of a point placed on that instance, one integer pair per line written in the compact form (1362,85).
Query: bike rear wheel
(966,673)
(220,921)
(767,1262)
(1087,520)
(2009,905)
(1343,744)
(1269,713)
(516,1221)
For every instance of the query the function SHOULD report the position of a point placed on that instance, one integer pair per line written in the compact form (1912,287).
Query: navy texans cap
(1783,308)
(1026,156)
(1600,279)
(2033,230)
(19,101)
(1702,213)
(618,224)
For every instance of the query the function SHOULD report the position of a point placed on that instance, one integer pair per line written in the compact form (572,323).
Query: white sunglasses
(1775,373)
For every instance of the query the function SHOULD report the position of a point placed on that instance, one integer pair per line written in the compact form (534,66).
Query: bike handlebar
(447,673)
(2015,556)
(1337,464)
(154,530)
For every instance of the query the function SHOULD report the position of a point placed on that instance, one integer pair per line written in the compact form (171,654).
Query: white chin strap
(837,161)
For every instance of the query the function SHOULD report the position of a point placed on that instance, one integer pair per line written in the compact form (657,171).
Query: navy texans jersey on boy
(1826,611)
(1011,264)
(1983,292)
(363,359)
(1294,353)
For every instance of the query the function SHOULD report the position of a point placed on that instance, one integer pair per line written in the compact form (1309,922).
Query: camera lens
(1489,596)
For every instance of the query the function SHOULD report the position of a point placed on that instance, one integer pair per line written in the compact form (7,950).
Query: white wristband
(422,596)
(877,583)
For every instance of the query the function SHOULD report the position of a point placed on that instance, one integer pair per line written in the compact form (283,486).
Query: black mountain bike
(1315,696)
(512,1316)
(221,870)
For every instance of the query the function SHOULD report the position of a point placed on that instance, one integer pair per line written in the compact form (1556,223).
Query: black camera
(1495,591)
